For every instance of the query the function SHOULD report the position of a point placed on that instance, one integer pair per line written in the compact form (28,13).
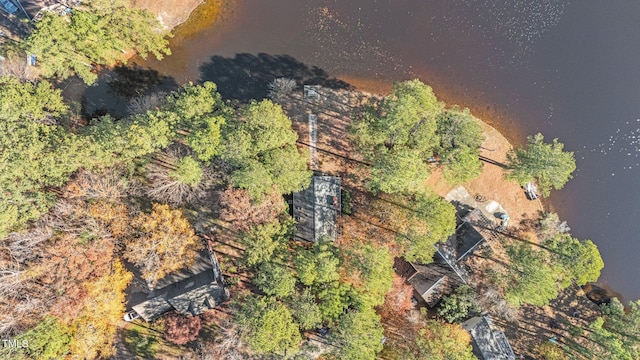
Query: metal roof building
(488,343)
(317,208)
(189,291)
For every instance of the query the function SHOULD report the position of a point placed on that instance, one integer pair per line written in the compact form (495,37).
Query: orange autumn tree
(93,332)
(163,242)
(439,340)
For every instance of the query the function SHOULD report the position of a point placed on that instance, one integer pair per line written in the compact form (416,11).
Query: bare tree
(144,103)
(227,344)
(16,65)
(281,87)
(165,186)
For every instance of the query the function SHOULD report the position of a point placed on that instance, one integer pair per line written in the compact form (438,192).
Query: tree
(398,299)
(239,209)
(443,341)
(260,144)
(334,298)
(398,171)
(270,327)
(580,261)
(162,242)
(370,272)
(400,136)
(263,241)
(122,141)
(201,112)
(458,305)
(175,177)
(180,329)
(419,223)
(305,309)
(48,340)
(530,278)
(625,323)
(274,279)
(547,164)
(318,265)
(94,331)
(460,137)
(358,335)
(549,351)
(610,344)
(34,151)
(97,34)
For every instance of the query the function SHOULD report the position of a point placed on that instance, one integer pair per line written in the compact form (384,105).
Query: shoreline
(498,126)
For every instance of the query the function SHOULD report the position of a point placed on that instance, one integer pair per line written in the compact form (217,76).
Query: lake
(568,69)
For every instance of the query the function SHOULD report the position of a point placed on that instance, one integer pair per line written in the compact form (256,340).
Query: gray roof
(433,280)
(476,230)
(189,291)
(489,343)
(316,209)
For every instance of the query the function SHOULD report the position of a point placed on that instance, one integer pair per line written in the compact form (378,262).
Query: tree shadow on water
(247,76)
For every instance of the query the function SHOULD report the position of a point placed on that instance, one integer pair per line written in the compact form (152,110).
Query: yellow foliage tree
(163,242)
(93,332)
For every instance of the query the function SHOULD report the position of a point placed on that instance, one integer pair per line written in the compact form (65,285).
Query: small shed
(317,209)
(488,343)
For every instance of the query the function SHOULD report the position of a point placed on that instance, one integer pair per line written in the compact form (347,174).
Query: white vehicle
(131,315)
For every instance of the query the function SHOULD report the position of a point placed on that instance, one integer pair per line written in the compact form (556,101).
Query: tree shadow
(115,88)
(247,76)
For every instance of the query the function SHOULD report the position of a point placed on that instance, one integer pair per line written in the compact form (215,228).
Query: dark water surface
(569,69)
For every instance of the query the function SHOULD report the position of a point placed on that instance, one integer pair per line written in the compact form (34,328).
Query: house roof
(433,280)
(316,209)
(474,231)
(489,343)
(190,291)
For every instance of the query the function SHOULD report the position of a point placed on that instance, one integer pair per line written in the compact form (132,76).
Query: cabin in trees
(434,280)
(317,209)
(475,231)
(488,343)
(189,291)
(448,269)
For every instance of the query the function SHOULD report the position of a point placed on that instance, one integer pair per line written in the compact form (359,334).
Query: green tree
(370,270)
(202,113)
(443,341)
(458,305)
(260,144)
(625,323)
(188,171)
(270,327)
(580,261)
(99,33)
(317,265)
(306,310)
(358,335)
(263,241)
(400,136)
(610,344)
(419,221)
(547,164)
(35,152)
(275,279)
(334,298)
(48,340)
(460,137)
(530,277)
(398,171)
(122,141)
